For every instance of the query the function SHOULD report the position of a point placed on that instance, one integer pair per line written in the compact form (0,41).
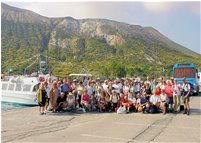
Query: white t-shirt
(105,86)
(120,86)
(89,90)
(138,100)
(186,87)
(176,89)
(133,100)
(137,88)
(154,99)
(71,101)
(126,88)
(116,87)
(163,97)
(48,88)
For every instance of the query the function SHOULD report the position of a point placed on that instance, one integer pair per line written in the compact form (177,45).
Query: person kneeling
(61,102)
(144,104)
(126,104)
(70,101)
(163,101)
(85,101)
(101,103)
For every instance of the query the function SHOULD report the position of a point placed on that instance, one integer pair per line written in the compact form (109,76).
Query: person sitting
(85,101)
(107,100)
(93,102)
(114,100)
(144,104)
(126,104)
(121,98)
(101,103)
(70,101)
(132,101)
(61,102)
(154,103)
(163,101)
(137,105)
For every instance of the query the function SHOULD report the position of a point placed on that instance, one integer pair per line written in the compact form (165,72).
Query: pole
(39,64)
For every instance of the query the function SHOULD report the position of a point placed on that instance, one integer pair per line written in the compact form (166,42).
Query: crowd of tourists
(121,96)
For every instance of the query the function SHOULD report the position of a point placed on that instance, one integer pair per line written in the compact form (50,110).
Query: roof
(80,75)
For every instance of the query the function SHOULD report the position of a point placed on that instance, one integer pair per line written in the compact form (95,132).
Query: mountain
(100,46)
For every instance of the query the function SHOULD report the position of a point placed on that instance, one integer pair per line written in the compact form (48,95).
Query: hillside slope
(102,47)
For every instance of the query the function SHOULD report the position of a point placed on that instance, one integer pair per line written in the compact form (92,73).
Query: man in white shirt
(186,93)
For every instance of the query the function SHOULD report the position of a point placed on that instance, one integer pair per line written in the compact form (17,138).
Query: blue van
(189,71)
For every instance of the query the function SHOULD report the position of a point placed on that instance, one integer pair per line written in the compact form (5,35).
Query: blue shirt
(64,88)
(143,100)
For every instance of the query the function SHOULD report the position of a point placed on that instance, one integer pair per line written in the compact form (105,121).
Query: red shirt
(169,90)
(158,92)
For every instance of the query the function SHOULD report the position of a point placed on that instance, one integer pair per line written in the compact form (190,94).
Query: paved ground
(27,125)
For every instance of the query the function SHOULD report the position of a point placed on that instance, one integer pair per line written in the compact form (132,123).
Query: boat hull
(25,98)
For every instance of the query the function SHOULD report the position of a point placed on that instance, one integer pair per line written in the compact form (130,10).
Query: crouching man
(61,102)
(144,104)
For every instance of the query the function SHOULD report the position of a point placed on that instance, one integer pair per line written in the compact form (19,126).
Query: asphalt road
(27,125)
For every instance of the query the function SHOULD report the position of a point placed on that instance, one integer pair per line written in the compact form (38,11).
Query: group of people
(121,96)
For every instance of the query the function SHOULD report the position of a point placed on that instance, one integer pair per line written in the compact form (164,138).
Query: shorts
(187,98)
(170,100)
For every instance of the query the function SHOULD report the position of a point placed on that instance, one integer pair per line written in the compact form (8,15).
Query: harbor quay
(27,125)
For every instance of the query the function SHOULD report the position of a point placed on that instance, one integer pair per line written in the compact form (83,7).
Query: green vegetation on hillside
(135,57)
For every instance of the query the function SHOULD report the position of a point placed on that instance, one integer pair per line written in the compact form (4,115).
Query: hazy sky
(179,21)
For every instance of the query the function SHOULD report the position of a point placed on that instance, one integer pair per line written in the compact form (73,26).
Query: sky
(179,21)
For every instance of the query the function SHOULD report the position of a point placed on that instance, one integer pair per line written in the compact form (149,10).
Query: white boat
(20,90)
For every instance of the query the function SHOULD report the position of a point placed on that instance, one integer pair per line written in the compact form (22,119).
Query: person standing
(80,90)
(53,96)
(186,96)
(169,92)
(42,95)
(48,88)
(65,87)
(176,95)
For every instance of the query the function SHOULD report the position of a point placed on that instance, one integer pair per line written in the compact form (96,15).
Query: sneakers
(83,110)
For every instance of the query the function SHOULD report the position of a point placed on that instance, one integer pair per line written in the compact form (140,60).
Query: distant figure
(42,95)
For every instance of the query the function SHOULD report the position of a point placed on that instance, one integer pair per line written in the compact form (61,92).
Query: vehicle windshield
(184,72)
